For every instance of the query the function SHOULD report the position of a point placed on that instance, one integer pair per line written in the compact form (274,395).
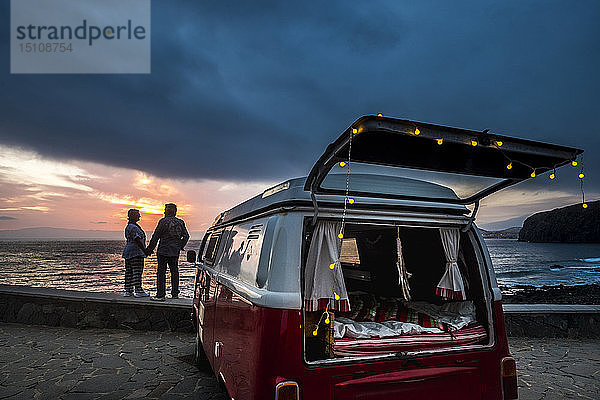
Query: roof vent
(276,189)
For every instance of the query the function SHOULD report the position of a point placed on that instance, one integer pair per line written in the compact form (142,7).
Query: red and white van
(367,279)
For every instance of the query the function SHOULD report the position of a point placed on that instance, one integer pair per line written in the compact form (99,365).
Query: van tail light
(509,378)
(288,390)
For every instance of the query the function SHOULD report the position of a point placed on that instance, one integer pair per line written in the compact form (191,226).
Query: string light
(552,175)
(532,174)
(342,164)
(351,201)
(332,266)
(499,143)
(341,235)
(509,166)
(574,163)
(581,176)
(417,131)
(439,141)
(474,143)
(354,131)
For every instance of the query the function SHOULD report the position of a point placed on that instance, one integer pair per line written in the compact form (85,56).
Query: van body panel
(460,383)
(261,346)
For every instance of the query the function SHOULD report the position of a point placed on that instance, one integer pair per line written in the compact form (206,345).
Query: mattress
(470,334)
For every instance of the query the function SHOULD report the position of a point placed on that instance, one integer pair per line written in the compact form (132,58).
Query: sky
(243,95)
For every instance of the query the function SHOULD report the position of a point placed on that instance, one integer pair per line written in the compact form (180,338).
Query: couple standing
(173,237)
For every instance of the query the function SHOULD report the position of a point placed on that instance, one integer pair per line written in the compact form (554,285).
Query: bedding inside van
(381,317)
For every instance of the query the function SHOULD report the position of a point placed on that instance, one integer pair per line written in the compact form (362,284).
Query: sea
(97,266)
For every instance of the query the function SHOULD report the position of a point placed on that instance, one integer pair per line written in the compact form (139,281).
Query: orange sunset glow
(42,192)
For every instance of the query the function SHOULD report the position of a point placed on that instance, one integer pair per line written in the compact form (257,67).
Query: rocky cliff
(510,233)
(572,224)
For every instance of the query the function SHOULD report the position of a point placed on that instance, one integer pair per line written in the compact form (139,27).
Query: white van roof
(293,193)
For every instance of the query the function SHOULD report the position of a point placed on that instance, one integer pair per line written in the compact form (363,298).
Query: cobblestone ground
(39,362)
(557,368)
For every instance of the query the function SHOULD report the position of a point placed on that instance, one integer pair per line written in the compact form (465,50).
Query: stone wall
(554,325)
(87,310)
(55,307)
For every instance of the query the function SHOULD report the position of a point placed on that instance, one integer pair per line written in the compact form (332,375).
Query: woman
(134,253)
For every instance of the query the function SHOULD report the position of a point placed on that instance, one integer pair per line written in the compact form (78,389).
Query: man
(173,237)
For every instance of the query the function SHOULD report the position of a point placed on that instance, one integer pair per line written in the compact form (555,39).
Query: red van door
(206,315)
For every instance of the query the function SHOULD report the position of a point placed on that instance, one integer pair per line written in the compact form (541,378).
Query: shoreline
(556,294)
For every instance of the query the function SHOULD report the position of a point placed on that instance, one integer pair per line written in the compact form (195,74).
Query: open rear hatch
(499,161)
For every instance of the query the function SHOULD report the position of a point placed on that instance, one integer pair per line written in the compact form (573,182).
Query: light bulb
(473,143)
(379,115)
(499,143)
(552,176)
(351,201)
(509,166)
(332,266)
(532,174)
(584,205)
(354,131)
(315,332)
(574,163)
(342,164)
(327,321)
(337,296)
(439,141)
(341,235)
(581,175)
(417,131)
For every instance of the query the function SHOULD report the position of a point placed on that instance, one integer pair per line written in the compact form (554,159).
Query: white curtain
(451,285)
(321,283)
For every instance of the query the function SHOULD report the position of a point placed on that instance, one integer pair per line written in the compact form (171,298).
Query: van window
(211,248)
(265,255)
(202,246)
(241,253)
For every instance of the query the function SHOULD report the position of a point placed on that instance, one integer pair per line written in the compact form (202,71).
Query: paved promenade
(40,362)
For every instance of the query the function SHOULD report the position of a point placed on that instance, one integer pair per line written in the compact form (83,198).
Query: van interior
(381,320)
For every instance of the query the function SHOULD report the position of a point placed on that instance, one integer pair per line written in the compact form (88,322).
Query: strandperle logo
(83,36)
(83,32)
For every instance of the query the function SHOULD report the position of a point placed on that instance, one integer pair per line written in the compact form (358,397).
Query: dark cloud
(246,90)
(7,218)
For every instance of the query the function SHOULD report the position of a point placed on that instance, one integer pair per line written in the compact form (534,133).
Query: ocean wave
(589,260)
(577,267)
(537,271)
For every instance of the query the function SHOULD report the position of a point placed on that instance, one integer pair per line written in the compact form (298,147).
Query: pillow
(406,314)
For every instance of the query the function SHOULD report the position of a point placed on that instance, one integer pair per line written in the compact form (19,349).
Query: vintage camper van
(367,279)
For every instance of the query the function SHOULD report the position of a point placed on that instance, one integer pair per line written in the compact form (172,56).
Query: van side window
(264,262)
(211,248)
(242,251)
(202,247)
